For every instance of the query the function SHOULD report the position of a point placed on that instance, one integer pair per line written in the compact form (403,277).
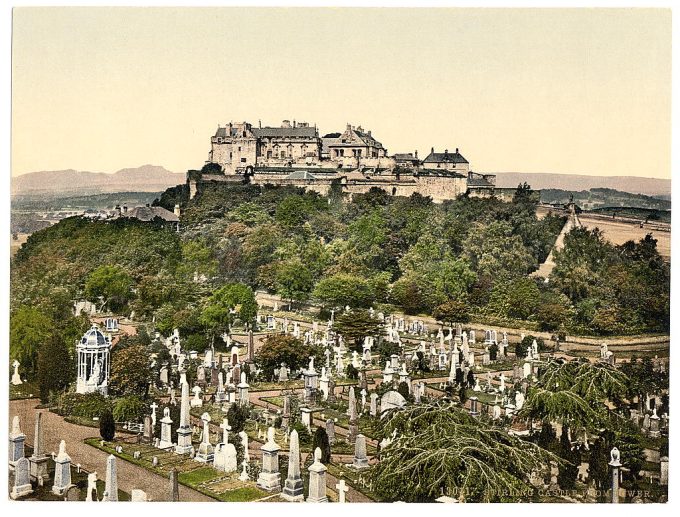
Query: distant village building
(353,160)
(150,213)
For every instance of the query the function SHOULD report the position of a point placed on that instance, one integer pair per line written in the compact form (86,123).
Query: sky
(580,91)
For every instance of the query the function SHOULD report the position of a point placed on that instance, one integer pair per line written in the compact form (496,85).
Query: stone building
(447,161)
(353,161)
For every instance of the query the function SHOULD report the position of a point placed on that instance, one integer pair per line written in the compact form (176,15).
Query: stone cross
(225,430)
(341,487)
(153,407)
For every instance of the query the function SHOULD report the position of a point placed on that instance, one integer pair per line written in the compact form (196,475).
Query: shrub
(321,441)
(237,416)
(107,427)
(129,409)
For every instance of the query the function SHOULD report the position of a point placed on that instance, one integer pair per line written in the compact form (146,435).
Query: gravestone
(360,460)
(293,489)
(22,479)
(270,477)
(197,401)
(330,430)
(148,429)
(72,493)
(16,378)
(62,470)
(184,430)
(391,399)
(307,417)
(16,443)
(225,457)
(243,391)
(92,488)
(206,453)
(166,430)
(317,480)
(111,478)
(38,459)
(331,391)
(342,488)
(174,485)
(138,496)
(353,427)
(374,404)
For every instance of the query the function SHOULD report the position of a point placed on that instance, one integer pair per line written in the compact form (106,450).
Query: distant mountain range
(154,178)
(147,178)
(578,182)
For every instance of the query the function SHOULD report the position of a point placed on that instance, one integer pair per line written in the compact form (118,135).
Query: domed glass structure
(93,352)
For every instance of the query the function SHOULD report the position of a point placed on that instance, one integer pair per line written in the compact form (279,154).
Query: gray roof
(445,157)
(479,182)
(94,338)
(283,132)
(404,157)
(149,213)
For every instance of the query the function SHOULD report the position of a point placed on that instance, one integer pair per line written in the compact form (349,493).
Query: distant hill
(577,182)
(147,178)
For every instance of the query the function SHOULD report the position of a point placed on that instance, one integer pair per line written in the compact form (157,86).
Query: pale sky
(583,91)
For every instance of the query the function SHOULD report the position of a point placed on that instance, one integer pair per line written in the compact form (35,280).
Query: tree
(224,305)
(403,390)
(29,330)
(293,281)
(321,441)
(452,312)
(487,464)
(286,349)
(111,283)
(355,325)
(341,289)
(237,415)
(130,371)
(107,427)
(55,368)
(566,478)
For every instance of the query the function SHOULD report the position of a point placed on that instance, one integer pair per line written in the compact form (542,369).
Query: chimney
(177,211)
(294,124)
(416,153)
(285,123)
(446,151)
(259,123)
(432,150)
(148,205)
(456,150)
(349,127)
(369,132)
(125,209)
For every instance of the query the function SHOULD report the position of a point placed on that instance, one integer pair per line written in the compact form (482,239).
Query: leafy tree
(403,390)
(321,441)
(111,283)
(237,416)
(224,305)
(131,408)
(518,298)
(452,312)
(29,330)
(282,348)
(293,281)
(107,427)
(355,325)
(341,289)
(55,368)
(130,371)
(487,464)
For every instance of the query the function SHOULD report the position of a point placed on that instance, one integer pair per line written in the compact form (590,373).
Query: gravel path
(130,476)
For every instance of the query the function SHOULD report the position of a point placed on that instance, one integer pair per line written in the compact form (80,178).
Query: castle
(295,154)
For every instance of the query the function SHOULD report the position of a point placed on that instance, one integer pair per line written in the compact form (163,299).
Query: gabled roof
(445,157)
(408,157)
(282,132)
(149,213)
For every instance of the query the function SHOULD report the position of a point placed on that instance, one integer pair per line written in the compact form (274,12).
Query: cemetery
(299,409)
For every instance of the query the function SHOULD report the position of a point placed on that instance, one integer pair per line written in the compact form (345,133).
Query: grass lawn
(199,476)
(27,390)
